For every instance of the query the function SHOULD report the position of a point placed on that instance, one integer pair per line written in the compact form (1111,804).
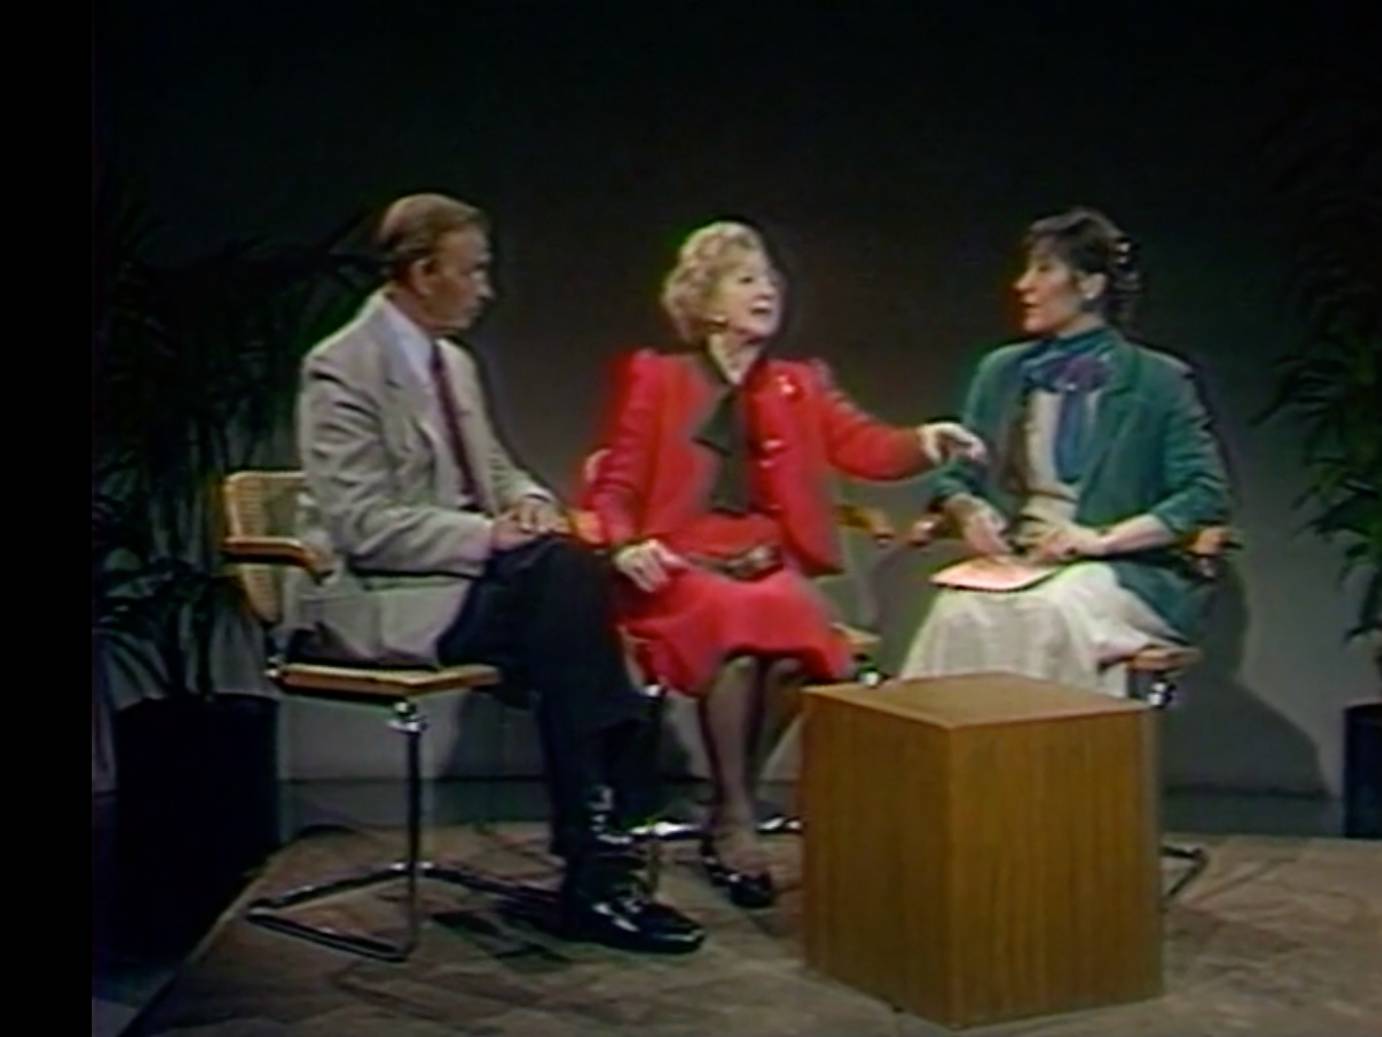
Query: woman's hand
(983,532)
(943,441)
(649,564)
(1068,542)
(980,524)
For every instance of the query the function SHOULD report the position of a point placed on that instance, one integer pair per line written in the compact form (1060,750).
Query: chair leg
(1198,857)
(1161,691)
(1158,690)
(867,672)
(489,810)
(656,830)
(870,675)
(780,824)
(659,831)
(267,911)
(657,694)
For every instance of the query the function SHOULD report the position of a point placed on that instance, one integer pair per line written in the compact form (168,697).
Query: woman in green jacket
(1101,460)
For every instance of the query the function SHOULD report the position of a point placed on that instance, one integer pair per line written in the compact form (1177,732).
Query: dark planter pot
(196,808)
(1363,771)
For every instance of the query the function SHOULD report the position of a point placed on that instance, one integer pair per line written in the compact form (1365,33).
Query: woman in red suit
(713,489)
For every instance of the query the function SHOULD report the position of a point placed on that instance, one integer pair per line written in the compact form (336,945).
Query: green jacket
(1153,452)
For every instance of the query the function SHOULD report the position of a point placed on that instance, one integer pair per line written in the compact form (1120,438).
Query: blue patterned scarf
(1073,367)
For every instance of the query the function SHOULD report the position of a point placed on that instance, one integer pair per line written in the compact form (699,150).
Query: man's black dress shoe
(629,919)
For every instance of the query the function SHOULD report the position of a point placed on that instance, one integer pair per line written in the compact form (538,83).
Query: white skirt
(1077,628)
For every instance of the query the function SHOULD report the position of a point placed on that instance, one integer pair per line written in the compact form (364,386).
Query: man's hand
(943,441)
(507,532)
(1068,542)
(538,515)
(649,564)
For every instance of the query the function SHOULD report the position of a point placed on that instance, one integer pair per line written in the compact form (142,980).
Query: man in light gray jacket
(444,550)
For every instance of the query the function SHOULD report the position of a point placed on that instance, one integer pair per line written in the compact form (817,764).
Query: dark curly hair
(1089,242)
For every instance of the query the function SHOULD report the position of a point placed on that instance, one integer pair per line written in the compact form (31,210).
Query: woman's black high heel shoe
(745,890)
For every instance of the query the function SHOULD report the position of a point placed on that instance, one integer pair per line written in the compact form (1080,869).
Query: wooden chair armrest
(585,524)
(325,679)
(864,519)
(1212,541)
(1206,547)
(265,550)
(1164,659)
(861,642)
(1205,550)
(586,527)
(932,526)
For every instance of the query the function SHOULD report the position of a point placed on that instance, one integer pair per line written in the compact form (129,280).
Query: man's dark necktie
(451,419)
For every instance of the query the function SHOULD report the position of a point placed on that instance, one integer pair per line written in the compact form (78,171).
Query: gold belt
(749,565)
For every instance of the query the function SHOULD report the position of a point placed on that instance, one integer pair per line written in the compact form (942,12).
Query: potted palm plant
(1328,155)
(1329,159)
(193,376)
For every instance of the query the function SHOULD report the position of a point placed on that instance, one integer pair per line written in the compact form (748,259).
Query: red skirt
(685,631)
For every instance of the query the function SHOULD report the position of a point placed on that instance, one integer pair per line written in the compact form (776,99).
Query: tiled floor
(134,961)
(1280,938)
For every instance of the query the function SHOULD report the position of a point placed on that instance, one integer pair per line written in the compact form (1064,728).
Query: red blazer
(654,478)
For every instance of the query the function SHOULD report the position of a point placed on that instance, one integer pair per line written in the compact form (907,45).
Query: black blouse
(726,432)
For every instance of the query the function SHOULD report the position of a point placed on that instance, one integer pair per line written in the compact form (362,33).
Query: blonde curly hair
(706,255)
